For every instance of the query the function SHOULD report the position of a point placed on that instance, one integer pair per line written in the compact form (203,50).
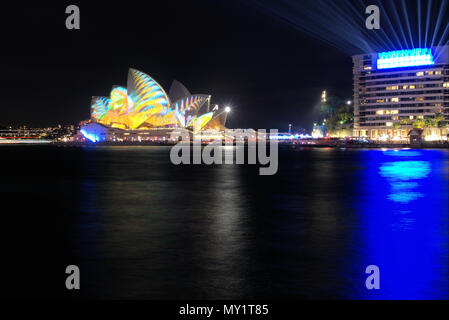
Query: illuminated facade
(144,106)
(393,90)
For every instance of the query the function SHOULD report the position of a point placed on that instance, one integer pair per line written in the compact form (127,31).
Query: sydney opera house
(144,111)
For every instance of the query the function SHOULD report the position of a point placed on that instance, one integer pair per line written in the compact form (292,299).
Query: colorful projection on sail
(405,58)
(143,104)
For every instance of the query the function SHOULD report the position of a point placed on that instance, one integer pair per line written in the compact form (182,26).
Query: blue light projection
(405,58)
(90,136)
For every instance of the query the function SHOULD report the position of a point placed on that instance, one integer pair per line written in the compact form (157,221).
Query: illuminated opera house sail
(143,107)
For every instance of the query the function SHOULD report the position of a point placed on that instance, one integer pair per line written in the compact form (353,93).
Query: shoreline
(280,144)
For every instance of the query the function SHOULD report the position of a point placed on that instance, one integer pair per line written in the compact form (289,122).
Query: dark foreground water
(140,227)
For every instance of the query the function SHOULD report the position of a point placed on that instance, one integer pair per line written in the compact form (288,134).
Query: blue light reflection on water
(403,177)
(404,205)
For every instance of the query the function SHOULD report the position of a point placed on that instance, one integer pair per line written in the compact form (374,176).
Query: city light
(228,109)
(348,102)
(405,58)
(290,136)
(323,96)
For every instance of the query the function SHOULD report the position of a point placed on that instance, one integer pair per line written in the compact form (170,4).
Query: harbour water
(140,227)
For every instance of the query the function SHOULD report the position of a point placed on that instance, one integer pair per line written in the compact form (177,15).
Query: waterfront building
(144,111)
(396,91)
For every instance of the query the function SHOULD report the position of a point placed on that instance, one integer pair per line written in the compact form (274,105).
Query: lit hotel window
(419,98)
(420,73)
(420,117)
(412,87)
(379,112)
(394,99)
(430,73)
(380,100)
(367,68)
(389,124)
(446,85)
(405,87)
(438,72)
(412,117)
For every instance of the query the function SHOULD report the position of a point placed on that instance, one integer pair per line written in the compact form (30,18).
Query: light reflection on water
(403,177)
(405,210)
(140,227)
(307,232)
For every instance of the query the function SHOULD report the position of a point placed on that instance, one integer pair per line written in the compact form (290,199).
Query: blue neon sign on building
(405,58)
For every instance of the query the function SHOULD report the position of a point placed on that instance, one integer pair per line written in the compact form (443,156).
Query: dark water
(140,227)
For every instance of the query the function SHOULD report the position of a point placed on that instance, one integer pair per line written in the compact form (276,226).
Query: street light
(227,109)
(348,102)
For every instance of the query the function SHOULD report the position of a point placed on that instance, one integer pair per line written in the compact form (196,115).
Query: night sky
(268,72)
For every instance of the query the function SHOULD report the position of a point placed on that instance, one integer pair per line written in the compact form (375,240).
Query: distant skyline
(270,73)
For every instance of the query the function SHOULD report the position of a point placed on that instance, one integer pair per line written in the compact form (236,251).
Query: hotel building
(392,90)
